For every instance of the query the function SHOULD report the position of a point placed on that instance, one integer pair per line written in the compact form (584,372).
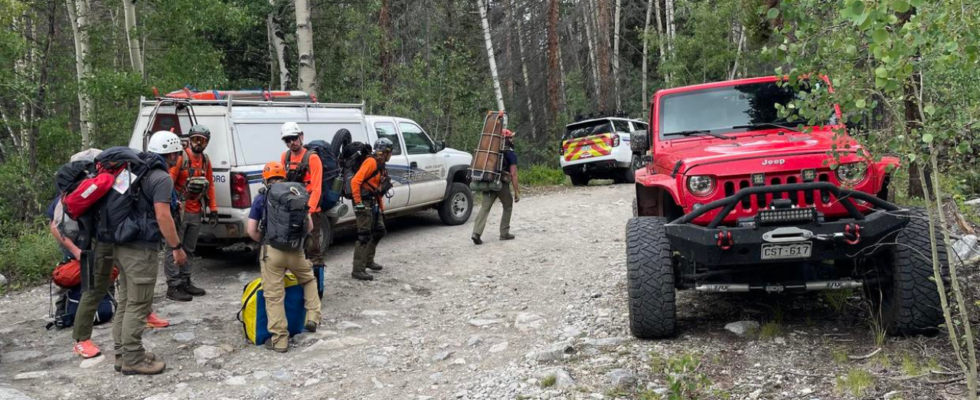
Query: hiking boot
(176,293)
(375,266)
(86,349)
(270,346)
(507,237)
(362,276)
(119,363)
(192,290)
(310,326)
(154,321)
(476,239)
(146,366)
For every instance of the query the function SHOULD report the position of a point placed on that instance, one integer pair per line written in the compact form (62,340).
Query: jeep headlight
(852,173)
(700,185)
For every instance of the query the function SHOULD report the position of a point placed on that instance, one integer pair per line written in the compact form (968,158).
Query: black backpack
(352,156)
(128,217)
(284,222)
(64,313)
(331,170)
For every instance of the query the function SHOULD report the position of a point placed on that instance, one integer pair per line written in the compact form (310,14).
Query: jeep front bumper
(767,239)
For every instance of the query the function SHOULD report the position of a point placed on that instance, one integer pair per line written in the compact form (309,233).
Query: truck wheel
(579,179)
(650,274)
(908,297)
(457,207)
(630,172)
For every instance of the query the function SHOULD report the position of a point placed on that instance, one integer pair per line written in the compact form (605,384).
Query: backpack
(330,165)
(64,315)
(84,183)
(284,222)
(127,216)
(352,156)
(69,274)
(253,315)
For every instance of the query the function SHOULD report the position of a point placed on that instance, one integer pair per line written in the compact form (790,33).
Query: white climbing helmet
(290,129)
(164,142)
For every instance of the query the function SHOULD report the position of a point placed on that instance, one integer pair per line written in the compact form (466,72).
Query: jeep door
(427,168)
(396,166)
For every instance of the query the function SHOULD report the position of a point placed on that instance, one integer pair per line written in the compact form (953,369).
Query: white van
(245,136)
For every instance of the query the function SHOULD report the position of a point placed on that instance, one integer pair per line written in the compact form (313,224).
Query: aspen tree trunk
(615,59)
(602,35)
(279,44)
(508,48)
(527,81)
(304,43)
(669,29)
(135,54)
(384,22)
(78,14)
(646,47)
(591,44)
(738,51)
(493,61)
(554,74)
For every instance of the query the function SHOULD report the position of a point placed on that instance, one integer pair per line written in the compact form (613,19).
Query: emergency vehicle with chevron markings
(599,148)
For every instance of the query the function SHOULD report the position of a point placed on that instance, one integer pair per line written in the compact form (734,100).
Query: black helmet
(383,145)
(200,130)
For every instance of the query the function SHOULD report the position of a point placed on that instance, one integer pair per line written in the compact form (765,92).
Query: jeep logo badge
(773,162)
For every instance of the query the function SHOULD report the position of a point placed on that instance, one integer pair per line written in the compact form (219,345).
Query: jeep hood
(712,150)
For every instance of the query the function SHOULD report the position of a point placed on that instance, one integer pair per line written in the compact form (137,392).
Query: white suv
(600,149)
(245,135)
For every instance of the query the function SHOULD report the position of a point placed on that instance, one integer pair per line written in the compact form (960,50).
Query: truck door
(397,166)
(427,168)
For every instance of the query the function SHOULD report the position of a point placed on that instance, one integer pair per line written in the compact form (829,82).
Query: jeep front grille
(804,198)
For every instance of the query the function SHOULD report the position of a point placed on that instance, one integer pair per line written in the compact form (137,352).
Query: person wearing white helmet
(305,167)
(137,259)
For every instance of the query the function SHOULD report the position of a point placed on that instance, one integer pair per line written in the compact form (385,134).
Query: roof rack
(253,103)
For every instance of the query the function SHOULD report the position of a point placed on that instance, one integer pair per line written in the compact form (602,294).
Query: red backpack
(79,198)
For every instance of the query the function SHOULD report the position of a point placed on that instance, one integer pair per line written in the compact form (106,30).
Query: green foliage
(856,382)
(771,330)
(684,379)
(548,381)
(839,356)
(911,366)
(29,257)
(540,175)
(837,299)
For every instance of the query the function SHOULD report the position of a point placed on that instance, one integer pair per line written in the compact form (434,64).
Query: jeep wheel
(579,179)
(908,298)
(457,207)
(650,274)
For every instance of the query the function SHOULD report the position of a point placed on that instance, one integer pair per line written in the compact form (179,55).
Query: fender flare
(449,177)
(650,191)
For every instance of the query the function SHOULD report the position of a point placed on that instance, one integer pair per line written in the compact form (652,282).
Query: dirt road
(543,316)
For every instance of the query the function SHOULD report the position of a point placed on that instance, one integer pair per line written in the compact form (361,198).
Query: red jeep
(733,199)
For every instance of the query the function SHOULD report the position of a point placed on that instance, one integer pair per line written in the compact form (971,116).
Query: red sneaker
(154,321)
(86,349)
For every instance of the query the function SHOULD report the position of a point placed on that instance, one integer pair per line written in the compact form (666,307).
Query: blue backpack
(68,306)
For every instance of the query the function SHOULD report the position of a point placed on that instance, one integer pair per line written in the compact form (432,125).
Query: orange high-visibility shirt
(368,168)
(312,179)
(181,175)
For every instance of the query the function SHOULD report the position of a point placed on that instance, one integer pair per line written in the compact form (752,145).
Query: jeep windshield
(733,109)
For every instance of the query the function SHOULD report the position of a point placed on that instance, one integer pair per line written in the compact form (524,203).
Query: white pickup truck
(245,135)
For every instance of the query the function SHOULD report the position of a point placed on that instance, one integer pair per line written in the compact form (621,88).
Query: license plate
(771,251)
(587,147)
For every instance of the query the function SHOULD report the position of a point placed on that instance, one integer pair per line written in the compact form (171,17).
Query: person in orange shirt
(305,167)
(368,187)
(194,183)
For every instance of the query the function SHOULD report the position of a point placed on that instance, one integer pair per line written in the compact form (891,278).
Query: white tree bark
(669,29)
(527,80)
(78,12)
(738,52)
(646,47)
(279,43)
(615,60)
(493,62)
(304,42)
(135,53)
(590,41)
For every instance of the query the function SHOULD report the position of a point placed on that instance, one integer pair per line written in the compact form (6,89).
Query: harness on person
(197,181)
(331,171)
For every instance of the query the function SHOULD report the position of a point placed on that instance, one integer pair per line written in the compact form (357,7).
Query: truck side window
(387,130)
(621,126)
(416,141)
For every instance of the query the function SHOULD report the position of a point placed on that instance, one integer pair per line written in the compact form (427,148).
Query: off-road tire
(630,172)
(650,279)
(447,209)
(341,139)
(579,179)
(636,208)
(909,303)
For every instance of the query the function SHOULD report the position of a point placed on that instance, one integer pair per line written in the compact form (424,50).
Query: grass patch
(910,365)
(837,299)
(878,330)
(549,381)
(771,330)
(839,356)
(28,258)
(684,378)
(540,175)
(856,382)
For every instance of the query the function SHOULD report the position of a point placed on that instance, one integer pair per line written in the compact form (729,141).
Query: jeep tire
(456,208)
(908,298)
(650,279)
(579,179)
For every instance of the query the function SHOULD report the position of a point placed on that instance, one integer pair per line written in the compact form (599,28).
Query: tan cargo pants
(137,278)
(274,264)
